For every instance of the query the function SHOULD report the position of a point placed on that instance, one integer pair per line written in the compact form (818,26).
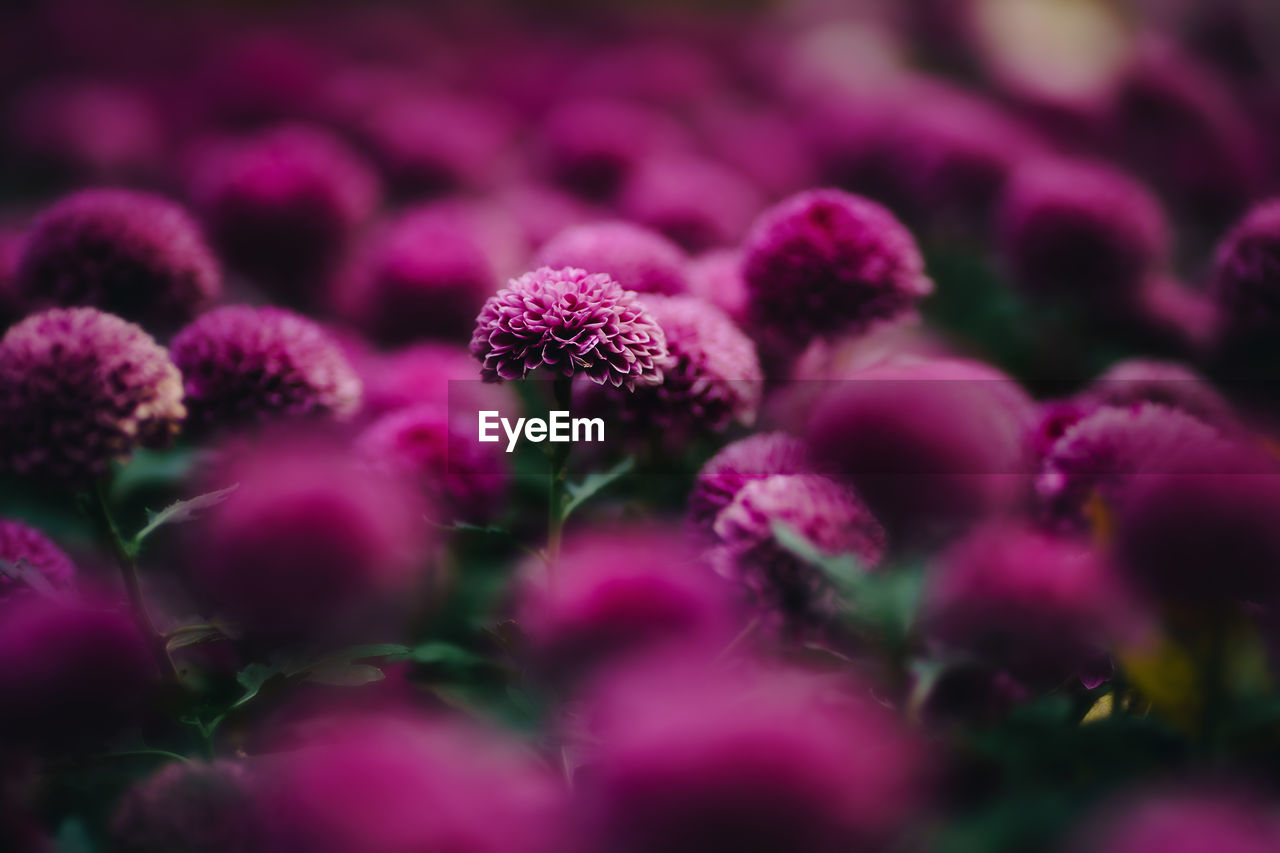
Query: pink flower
(634,257)
(201,808)
(697,203)
(753,458)
(20,544)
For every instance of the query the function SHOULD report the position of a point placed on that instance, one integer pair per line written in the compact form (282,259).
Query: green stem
(126,562)
(558,454)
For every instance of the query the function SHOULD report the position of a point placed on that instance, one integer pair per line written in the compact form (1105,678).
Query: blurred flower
(1139,380)
(430,373)
(79,389)
(201,808)
(1181,821)
(1246,275)
(424,274)
(762,761)
(716,276)
(712,381)
(390,785)
(753,458)
(425,445)
(1040,607)
(242,364)
(697,203)
(310,541)
(1081,232)
(827,515)
(634,257)
(129,253)
(543,211)
(619,592)
(71,673)
(824,262)
(282,205)
(20,544)
(569,322)
(931,445)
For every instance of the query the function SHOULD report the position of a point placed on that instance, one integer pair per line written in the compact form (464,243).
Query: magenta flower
(634,257)
(128,253)
(424,274)
(1136,381)
(713,380)
(1246,275)
(79,389)
(754,458)
(282,205)
(1082,232)
(437,374)
(716,276)
(202,808)
(569,323)
(20,544)
(826,514)
(824,261)
(427,446)
(1038,607)
(363,783)
(697,203)
(621,592)
(242,364)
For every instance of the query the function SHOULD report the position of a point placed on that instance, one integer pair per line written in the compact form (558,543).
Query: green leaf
(446,654)
(252,678)
(181,638)
(580,493)
(182,511)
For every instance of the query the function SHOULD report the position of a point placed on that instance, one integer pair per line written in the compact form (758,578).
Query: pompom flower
(425,274)
(763,761)
(569,323)
(19,545)
(932,445)
(699,204)
(201,808)
(282,206)
(1081,232)
(634,257)
(384,784)
(1038,607)
(712,381)
(80,388)
(59,659)
(130,253)
(753,458)
(311,540)
(426,445)
(242,364)
(825,513)
(619,592)
(1246,274)
(824,261)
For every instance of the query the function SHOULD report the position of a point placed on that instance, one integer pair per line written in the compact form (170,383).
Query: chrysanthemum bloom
(736,760)
(466,479)
(427,145)
(20,544)
(59,659)
(697,203)
(1039,607)
(242,364)
(1246,275)
(203,808)
(1101,453)
(310,540)
(282,206)
(1081,232)
(932,446)
(591,146)
(620,592)
(80,388)
(1181,821)
(1200,528)
(634,257)
(385,784)
(431,373)
(753,458)
(130,253)
(569,323)
(716,276)
(826,514)
(712,381)
(824,262)
(422,275)
(1136,381)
